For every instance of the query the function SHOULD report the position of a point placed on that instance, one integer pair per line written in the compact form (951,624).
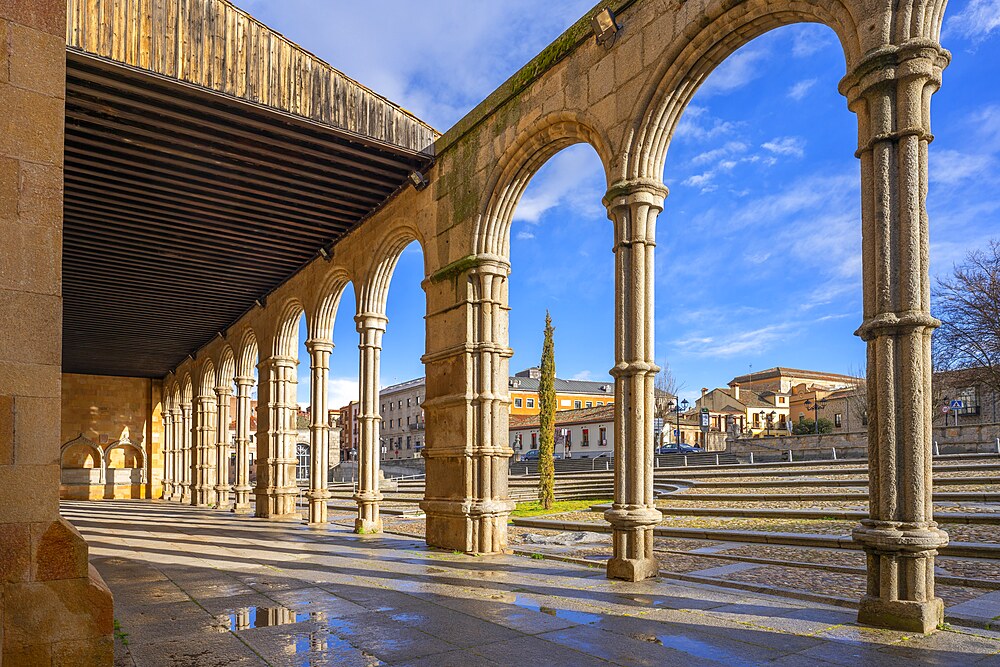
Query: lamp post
(678,408)
(768,419)
(817,405)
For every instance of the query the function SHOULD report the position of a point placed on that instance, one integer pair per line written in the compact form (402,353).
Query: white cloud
(809,39)
(583,375)
(525,235)
(951,167)
(342,390)
(735,343)
(800,89)
(694,128)
(976,22)
(735,71)
(730,148)
(793,146)
(573,177)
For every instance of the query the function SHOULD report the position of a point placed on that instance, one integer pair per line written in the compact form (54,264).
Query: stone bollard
(790,456)
(685,460)
(834,453)
(607,465)
(998,445)
(717,460)
(937,450)
(751,458)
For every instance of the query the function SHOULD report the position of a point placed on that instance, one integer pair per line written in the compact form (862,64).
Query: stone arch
(123,444)
(246,353)
(374,292)
(84,442)
(206,379)
(328,298)
(519,163)
(286,329)
(187,389)
(226,370)
(705,45)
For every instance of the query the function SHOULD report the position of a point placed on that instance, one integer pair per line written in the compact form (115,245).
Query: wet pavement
(201,587)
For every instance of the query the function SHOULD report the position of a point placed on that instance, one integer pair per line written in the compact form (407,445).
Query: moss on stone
(458,267)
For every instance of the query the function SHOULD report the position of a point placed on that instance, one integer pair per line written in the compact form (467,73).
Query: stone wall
(949,439)
(54,608)
(104,410)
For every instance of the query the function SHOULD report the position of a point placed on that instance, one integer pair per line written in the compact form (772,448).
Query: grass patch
(119,635)
(535,508)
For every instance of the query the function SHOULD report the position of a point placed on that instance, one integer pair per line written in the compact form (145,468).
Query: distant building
(782,380)
(349,431)
(583,433)
(748,412)
(570,394)
(402,429)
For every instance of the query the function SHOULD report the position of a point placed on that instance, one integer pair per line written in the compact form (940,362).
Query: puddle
(582,617)
(248,618)
(702,649)
(646,600)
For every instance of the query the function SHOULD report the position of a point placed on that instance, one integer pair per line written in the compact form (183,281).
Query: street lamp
(816,407)
(678,408)
(768,419)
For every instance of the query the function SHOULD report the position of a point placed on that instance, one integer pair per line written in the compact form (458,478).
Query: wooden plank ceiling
(184,205)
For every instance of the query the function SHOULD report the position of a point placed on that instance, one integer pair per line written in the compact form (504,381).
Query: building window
(585,438)
(600,402)
(589,404)
(400,404)
(418,400)
(970,400)
(407,402)
(383,407)
(602,437)
(302,462)
(577,405)
(838,420)
(531,402)
(407,442)
(534,441)
(864,419)
(518,402)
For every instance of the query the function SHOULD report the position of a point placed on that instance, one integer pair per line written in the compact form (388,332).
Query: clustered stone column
(276,490)
(467,501)
(203,468)
(186,430)
(242,489)
(370,326)
(319,460)
(168,453)
(890,91)
(633,207)
(222,393)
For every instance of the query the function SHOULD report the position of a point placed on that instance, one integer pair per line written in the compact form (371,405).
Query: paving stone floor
(202,587)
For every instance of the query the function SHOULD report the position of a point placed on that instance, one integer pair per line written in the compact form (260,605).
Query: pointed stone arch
(373,293)
(518,165)
(247,353)
(328,298)
(286,327)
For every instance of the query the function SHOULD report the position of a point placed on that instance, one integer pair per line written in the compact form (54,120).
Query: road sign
(704,411)
(945,409)
(677,433)
(956,405)
(704,419)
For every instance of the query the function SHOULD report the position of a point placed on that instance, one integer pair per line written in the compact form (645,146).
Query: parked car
(532,455)
(678,448)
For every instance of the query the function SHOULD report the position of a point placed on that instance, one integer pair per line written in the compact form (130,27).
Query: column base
(904,615)
(242,509)
(633,569)
(473,527)
(367,527)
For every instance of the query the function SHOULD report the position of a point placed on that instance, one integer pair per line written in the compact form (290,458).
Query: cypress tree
(547,419)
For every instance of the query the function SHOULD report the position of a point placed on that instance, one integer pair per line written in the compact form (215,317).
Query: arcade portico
(181,184)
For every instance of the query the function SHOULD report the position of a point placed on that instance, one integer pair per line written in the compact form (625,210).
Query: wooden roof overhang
(183,205)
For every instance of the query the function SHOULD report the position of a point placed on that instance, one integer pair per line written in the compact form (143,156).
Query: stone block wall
(104,410)
(54,608)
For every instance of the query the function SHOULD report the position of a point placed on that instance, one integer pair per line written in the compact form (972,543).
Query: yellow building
(570,394)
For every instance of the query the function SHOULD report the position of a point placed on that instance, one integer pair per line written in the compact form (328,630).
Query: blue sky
(758,255)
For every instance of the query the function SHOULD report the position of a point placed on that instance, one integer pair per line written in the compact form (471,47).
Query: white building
(586,433)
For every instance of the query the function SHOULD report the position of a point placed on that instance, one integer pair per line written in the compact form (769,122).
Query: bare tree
(857,400)
(665,387)
(967,302)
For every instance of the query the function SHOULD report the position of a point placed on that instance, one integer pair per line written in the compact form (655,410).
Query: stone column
(890,91)
(319,450)
(186,428)
(222,394)
(203,466)
(276,489)
(168,454)
(370,326)
(177,462)
(242,489)
(633,207)
(467,408)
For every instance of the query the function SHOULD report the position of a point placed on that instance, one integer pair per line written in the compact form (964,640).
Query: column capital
(242,381)
(314,345)
(223,390)
(627,192)
(894,324)
(365,321)
(922,58)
